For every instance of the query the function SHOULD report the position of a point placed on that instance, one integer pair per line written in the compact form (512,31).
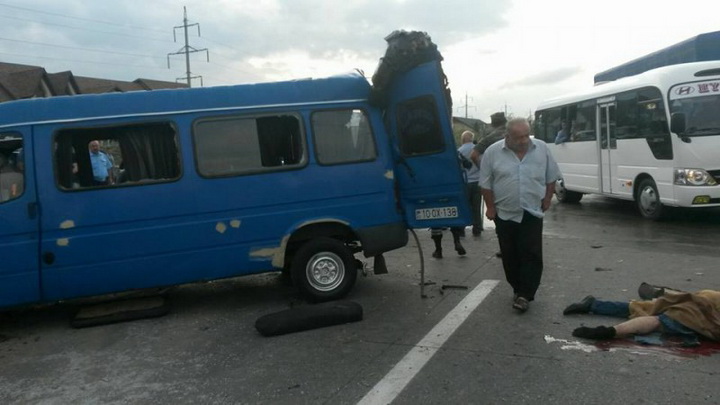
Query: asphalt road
(207,351)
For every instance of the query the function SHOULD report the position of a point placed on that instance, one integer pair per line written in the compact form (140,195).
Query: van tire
(566,196)
(324,269)
(647,200)
(309,317)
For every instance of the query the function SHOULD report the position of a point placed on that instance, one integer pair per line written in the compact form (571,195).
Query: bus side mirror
(677,123)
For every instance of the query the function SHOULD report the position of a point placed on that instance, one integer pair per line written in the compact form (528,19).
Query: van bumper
(383,238)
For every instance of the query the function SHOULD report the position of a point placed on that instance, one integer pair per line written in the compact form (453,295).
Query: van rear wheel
(324,269)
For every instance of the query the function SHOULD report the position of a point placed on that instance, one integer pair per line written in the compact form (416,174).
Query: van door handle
(49,257)
(32,209)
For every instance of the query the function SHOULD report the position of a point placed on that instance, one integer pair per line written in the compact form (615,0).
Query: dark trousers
(456,232)
(610,308)
(473,191)
(521,248)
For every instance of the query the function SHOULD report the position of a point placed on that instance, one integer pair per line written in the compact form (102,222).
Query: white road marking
(385,391)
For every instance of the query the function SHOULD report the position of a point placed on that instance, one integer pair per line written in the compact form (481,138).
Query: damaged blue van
(209,183)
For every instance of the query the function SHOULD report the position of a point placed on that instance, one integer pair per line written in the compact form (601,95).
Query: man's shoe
(521,304)
(597,333)
(647,291)
(476,231)
(460,249)
(437,254)
(582,307)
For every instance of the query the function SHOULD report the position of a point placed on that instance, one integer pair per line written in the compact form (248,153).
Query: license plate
(436,213)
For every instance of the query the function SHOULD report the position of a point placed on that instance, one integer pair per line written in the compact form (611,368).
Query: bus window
(539,128)
(342,136)
(234,146)
(553,123)
(652,123)
(626,115)
(12,171)
(116,155)
(419,127)
(584,128)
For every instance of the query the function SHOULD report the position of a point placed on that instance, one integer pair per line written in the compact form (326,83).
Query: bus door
(427,169)
(19,222)
(608,145)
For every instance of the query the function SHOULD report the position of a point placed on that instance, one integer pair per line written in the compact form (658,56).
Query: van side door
(19,220)
(427,169)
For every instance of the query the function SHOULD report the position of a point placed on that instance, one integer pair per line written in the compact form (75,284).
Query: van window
(233,146)
(119,155)
(419,127)
(12,166)
(342,136)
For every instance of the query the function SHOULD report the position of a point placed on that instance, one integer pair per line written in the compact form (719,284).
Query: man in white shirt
(517,180)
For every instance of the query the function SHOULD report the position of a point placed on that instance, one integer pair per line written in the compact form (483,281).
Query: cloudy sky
(502,54)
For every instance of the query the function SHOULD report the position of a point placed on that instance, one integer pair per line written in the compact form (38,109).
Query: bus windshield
(702,111)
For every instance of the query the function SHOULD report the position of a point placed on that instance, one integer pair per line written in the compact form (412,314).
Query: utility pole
(466,105)
(187,50)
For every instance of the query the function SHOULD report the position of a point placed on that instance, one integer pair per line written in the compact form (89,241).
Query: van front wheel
(324,269)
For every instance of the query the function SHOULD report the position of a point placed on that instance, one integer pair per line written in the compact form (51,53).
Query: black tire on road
(324,269)
(309,317)
(647,200)
(566,196)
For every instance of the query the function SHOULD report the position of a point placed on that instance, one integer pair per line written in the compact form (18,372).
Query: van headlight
(694,177)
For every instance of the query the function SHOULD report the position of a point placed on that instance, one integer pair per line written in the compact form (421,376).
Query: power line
(81,61)
(80,18)
(111,33)
(79,48)
(82,28)
(227,68)
(221,44)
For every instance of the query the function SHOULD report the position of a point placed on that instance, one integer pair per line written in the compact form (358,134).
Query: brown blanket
(699,311)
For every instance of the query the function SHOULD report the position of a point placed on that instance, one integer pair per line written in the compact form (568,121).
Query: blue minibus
(210,183)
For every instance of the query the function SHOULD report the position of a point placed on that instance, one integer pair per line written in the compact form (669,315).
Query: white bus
(619,143)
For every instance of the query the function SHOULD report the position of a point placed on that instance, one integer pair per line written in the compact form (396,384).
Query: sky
(501,55)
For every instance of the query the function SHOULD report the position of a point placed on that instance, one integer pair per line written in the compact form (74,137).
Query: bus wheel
(324,269)
(648,200)
(564,195)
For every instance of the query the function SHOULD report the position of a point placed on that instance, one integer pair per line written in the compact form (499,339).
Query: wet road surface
(207,350)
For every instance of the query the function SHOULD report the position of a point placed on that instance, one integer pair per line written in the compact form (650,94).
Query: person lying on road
(673,312)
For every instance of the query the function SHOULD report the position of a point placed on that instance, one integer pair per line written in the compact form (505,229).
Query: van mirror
(677,123)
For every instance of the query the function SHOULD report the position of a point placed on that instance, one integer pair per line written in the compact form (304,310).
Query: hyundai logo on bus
(684,90)
(703,88)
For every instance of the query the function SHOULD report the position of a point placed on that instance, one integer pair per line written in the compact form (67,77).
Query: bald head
(467,137)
